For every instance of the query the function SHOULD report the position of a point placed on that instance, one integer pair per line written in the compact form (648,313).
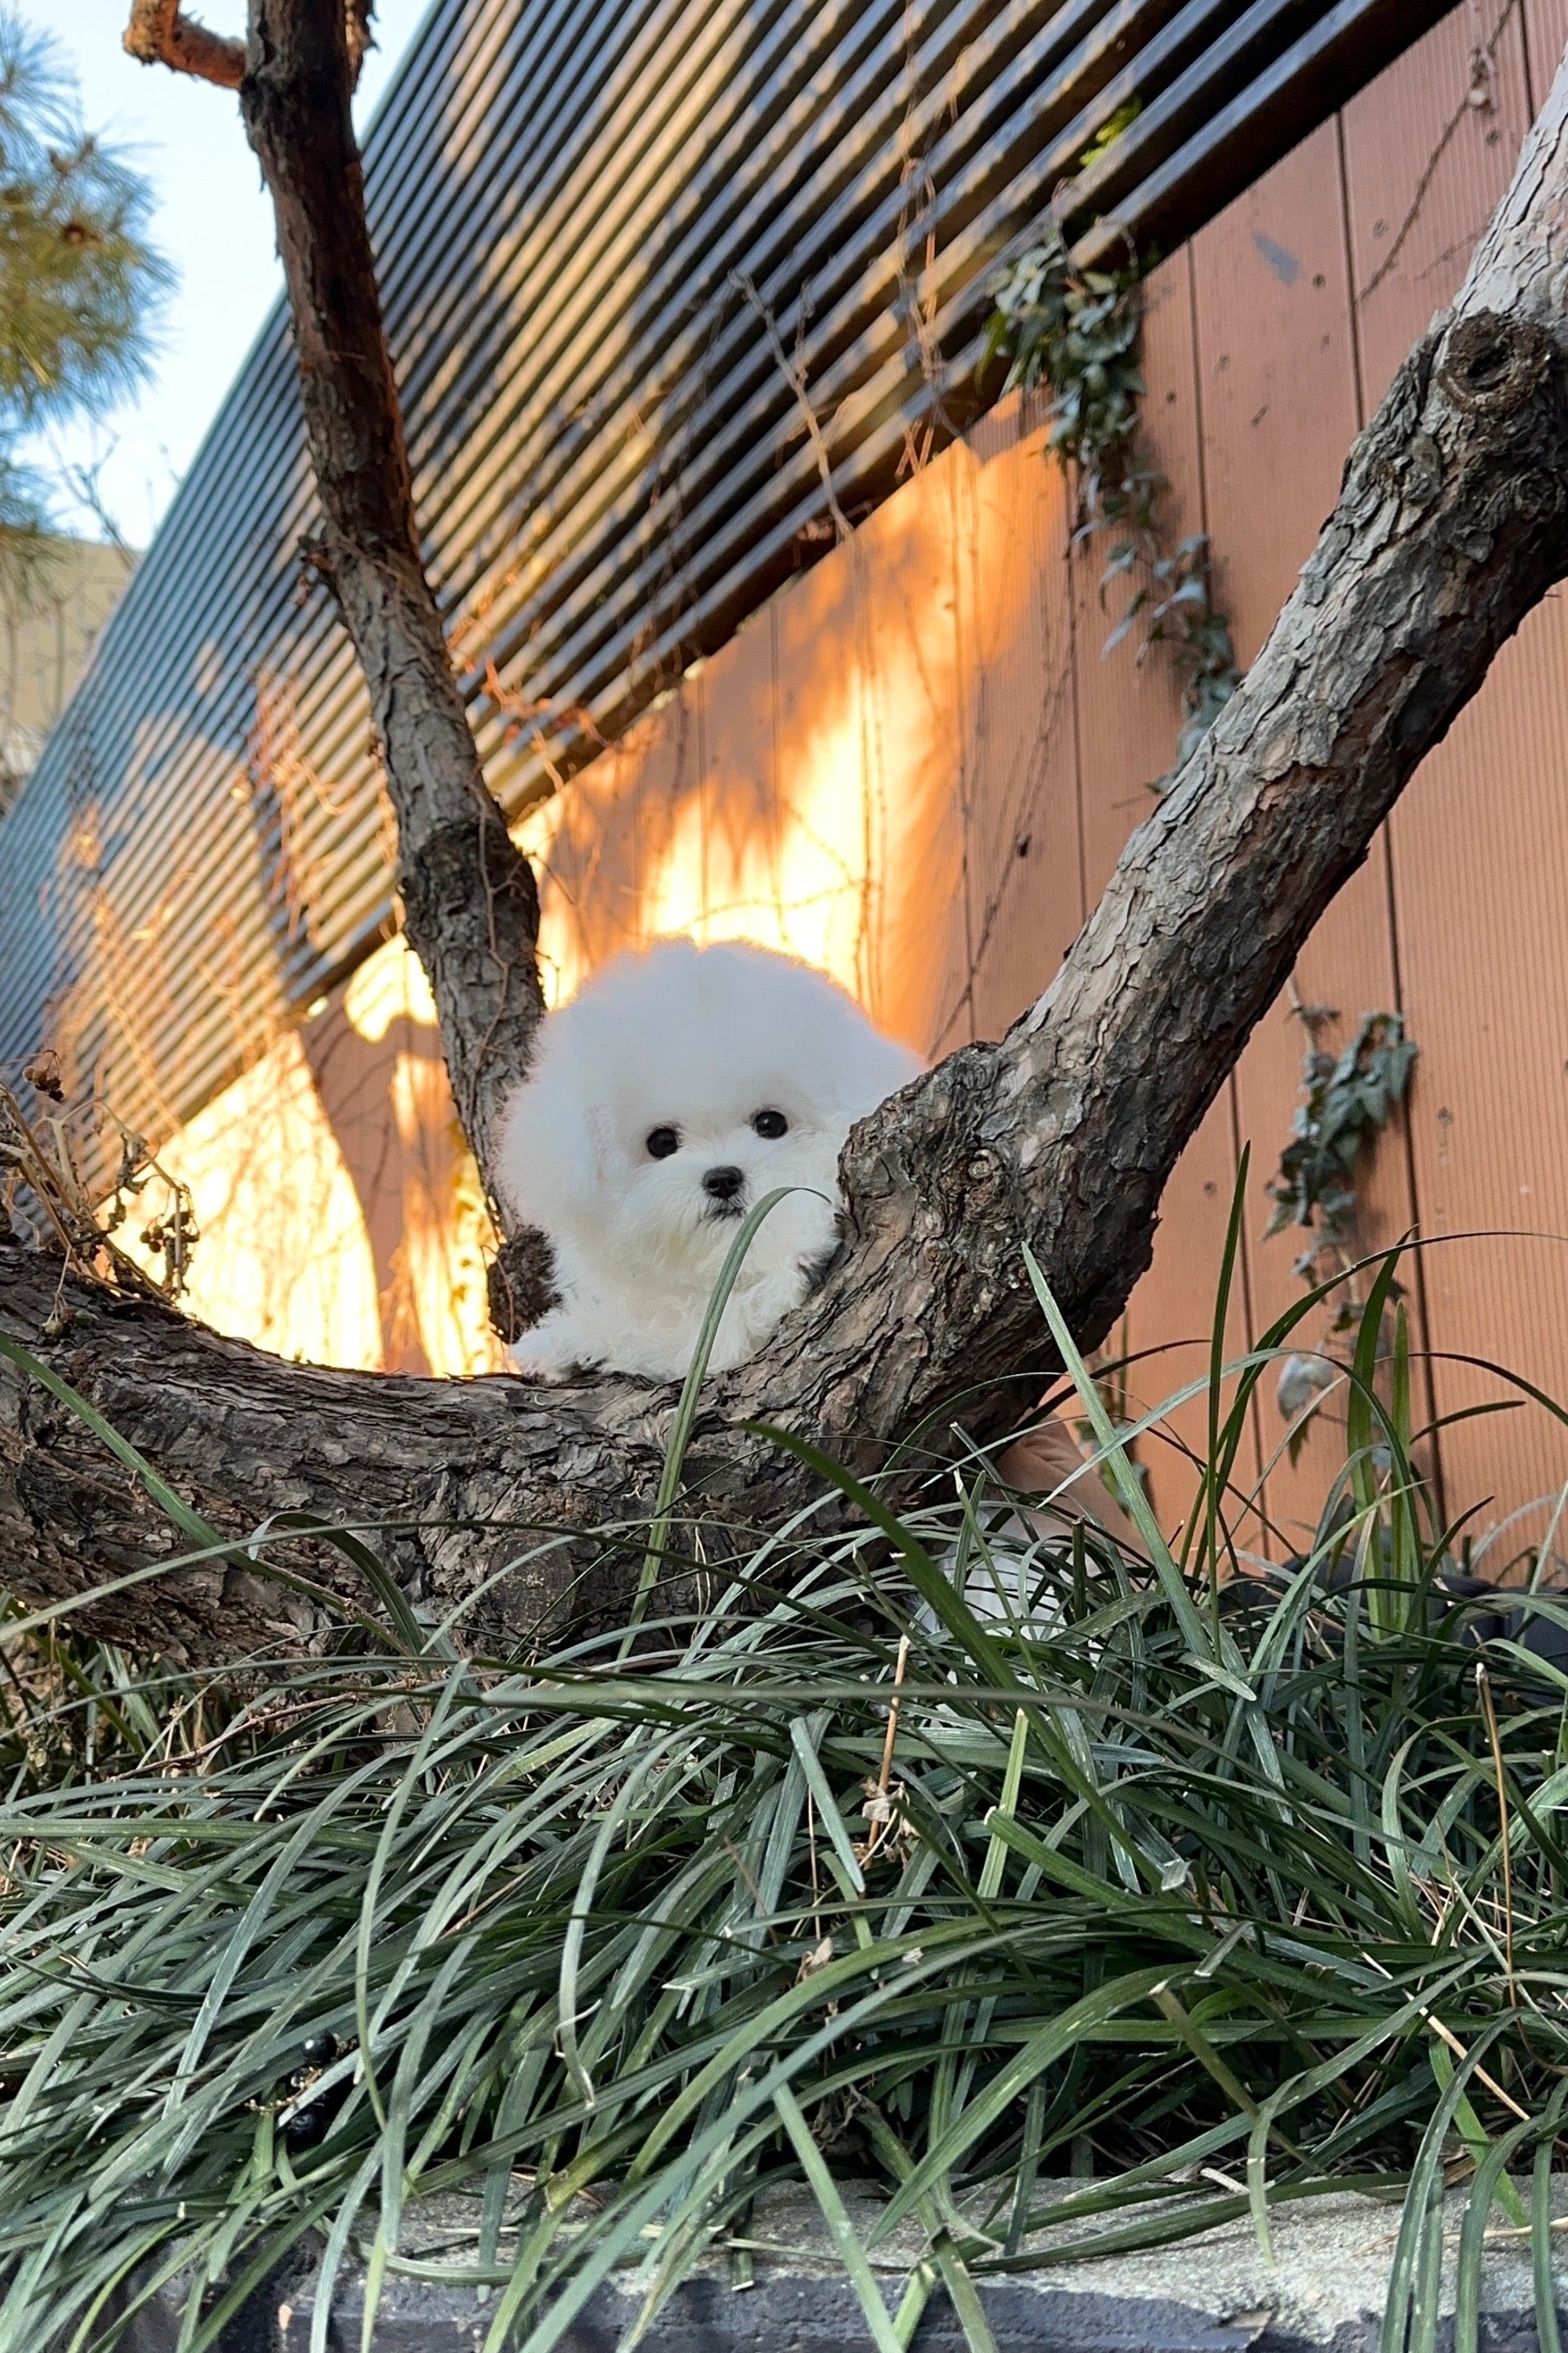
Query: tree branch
(1449,528)
(479,1473)
(159,35)
(470,908)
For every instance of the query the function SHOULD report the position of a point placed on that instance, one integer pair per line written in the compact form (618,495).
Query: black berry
(305,2127)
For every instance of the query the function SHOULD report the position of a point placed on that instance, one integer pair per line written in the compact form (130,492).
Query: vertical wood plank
(741,886)
(1482,858)
(1424,171)
(669,839)
(905,571)
(1024,855)
(584,843)
(354,1076)
(829,887)
(1130,717)
(870,765)
(1277,371)
(1277,377)
(1546,37)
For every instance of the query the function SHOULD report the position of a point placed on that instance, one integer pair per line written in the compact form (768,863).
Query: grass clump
(1212,1887)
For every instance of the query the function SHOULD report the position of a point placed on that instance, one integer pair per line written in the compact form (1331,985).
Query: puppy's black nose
(723,1184)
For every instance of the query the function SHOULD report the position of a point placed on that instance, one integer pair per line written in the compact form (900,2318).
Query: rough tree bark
(1449,527)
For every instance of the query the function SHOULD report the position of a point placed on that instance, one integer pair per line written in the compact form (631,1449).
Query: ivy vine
(1347,1100)
(1076,332)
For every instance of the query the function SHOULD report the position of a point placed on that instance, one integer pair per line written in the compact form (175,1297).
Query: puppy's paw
(556,1349)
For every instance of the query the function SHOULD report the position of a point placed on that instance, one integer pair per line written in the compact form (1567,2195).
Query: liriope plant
(1077,1900)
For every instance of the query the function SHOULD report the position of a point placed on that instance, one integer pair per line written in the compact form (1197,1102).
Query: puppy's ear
(865,1068)
(596,1148)
(550,1161)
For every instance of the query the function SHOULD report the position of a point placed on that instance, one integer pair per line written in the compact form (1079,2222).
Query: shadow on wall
(850,780)
(339,1211)
(875,775)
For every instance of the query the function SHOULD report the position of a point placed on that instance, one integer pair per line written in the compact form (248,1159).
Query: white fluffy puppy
(670,1095)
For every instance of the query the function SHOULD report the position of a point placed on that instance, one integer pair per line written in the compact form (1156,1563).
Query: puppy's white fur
(700,1041)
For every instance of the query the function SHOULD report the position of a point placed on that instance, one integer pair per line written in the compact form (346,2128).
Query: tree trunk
(1449,527)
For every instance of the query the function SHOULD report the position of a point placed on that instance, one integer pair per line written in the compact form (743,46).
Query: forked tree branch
(1451,525)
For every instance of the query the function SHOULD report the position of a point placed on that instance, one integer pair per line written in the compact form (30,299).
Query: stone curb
(1323,2294)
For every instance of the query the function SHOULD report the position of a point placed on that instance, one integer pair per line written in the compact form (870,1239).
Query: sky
(212,220)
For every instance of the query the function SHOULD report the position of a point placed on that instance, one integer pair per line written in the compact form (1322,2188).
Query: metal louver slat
(598,228)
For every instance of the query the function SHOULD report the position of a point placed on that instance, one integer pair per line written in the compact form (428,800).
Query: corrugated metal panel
(622,249)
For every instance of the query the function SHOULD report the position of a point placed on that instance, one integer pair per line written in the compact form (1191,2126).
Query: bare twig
(795,380)
(1510,2233)
(85,483)
(1459,2052)
(882,1808)
(1478,91)
(893,1714)
(1446,2035)
(45,1166)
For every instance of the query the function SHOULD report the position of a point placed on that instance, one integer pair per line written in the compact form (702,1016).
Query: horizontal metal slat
(1340,54)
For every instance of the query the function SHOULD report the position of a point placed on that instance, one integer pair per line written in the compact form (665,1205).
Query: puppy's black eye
(770,1123)
(662,1141)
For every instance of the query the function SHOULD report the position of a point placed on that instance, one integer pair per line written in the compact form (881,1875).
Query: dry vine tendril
(46,1199)
(1077,331)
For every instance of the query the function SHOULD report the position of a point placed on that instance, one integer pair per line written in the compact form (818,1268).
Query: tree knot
(1492,364)
(466,862)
